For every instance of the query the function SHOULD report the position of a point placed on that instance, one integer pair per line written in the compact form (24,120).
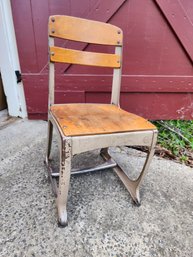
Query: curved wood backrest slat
(64,55)
(82,30)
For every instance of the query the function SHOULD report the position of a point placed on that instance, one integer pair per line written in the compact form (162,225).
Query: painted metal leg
(133,185)
(47,160)
(64,180)
(51,178)
(49,142)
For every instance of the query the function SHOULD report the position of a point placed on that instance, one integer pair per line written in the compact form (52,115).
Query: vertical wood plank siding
(157,79)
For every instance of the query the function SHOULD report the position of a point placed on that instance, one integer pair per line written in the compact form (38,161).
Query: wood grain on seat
(91,119)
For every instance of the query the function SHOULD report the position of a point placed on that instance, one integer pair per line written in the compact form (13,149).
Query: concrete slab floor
(102,220)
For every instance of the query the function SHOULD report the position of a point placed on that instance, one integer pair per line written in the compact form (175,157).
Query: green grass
(177,137)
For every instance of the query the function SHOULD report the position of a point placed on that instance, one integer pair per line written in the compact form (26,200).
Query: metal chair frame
(72,145)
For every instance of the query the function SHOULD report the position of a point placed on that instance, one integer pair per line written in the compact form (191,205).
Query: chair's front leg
(64,180)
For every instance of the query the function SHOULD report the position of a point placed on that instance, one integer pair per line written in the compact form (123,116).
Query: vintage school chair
(85,127)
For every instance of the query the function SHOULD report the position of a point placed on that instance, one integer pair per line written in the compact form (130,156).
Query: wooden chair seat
(92,119)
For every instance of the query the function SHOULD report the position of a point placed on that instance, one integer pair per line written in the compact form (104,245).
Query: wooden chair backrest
(88,31)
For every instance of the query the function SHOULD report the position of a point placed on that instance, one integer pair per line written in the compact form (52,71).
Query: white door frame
(9,63)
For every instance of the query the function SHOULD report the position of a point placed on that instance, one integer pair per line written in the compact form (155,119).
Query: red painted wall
(157,79)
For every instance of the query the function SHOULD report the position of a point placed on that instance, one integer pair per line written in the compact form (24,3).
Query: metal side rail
(107,165)
(110,163)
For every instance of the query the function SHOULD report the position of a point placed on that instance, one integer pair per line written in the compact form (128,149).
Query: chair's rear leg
(47,160)
(148,159)
(64,180)
(49,140)
(133,185)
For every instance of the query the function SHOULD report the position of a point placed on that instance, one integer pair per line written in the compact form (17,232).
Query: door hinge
(18,76)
